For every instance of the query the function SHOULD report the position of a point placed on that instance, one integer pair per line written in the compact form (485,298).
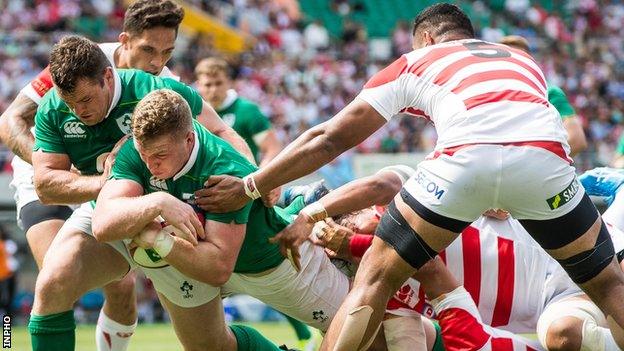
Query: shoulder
(51,102)
(554,90)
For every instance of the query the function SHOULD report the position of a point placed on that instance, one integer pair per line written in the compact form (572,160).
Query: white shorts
(528,181)
(312,295)
(175,286)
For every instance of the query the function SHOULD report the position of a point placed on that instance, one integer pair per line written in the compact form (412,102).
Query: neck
(451,37)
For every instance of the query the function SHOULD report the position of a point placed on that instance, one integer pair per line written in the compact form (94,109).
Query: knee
(56,286)
(121,293)
(565,334)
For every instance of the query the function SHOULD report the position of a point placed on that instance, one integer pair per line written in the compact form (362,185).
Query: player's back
(473,91)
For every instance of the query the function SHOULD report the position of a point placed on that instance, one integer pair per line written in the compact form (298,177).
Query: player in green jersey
(79,123)
(147,41)
(557,98)
(244,116)
(156,173)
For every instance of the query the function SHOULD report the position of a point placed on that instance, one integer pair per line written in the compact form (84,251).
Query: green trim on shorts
(438,345)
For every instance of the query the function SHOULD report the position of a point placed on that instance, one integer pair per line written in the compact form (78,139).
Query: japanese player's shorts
(175,286)
(531,180)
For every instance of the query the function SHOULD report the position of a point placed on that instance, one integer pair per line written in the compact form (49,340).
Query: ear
(428,38)
(108,75)
(124,37)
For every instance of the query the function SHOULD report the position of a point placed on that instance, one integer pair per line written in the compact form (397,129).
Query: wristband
(163,243)
(315,211)
(359,243)
(251,190)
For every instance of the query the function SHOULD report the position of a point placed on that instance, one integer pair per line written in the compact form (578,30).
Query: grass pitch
(155,337)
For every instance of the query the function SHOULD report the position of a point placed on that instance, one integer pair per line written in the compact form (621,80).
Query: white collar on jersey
(191,161)
(230,97)
(116,92)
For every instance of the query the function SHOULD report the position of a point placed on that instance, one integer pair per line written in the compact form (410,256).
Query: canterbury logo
(74,128)
(158,183)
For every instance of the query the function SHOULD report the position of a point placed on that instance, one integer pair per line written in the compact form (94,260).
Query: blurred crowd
(302,75)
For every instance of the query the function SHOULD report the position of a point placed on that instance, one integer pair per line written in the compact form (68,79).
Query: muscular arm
(121,211)
(15,124)
(270,147)
(211,120)
(55,183)
(576,136)
(320,144)
(378,189)
(211,261)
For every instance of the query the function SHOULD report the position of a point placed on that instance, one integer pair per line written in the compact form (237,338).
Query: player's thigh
(180,289)
(41,223)
(313,295)
(200,328)
(88,263)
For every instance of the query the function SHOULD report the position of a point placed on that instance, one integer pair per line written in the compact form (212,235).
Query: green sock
(295,206)
(53,332)
(249,339)
(302,330)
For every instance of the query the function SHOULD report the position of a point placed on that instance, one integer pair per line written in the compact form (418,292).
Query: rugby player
(77,124)
(500,145)
(512,286)
(149,32)
(214,84)
(158,170)
(557,97)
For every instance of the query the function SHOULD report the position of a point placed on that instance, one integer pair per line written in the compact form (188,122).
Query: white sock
(112,336)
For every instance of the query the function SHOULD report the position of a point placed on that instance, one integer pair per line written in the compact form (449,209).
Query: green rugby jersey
(58,130)
(212,156)
(247,120)
(558,98)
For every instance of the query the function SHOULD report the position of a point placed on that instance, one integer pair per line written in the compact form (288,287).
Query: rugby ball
(149,258)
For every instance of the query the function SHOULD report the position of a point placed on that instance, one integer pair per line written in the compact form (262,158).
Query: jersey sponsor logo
(74,129)
(429,186)
(124,123)
(564,196)
(158,184)
(229,119)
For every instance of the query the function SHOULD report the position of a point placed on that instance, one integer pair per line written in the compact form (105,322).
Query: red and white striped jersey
(509,276)
(473,91)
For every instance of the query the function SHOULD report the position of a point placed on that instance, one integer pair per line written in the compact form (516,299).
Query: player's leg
(312,295)
(118,317)
(41,223)
(405,333)
(542,190)
(463,329)
(424,218)
(203,328)
(75,263)
(574,323)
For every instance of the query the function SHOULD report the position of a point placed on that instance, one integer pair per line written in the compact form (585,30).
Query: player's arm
(122,211)
(571,122)
(313,149)
(15,124)
(269,144)
(55,183)
(378,189)
(576,135)
(211,261)
(19,117)
(211,120)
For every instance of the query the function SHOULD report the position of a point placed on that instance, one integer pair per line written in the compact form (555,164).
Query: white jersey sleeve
(383,91)
(402,171)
